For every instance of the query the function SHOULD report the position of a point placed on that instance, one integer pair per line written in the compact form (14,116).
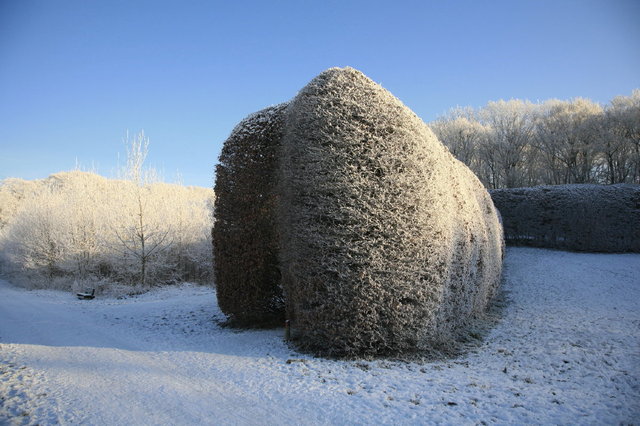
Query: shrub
(245,243)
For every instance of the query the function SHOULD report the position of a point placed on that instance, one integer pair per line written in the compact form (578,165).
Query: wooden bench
(87,295)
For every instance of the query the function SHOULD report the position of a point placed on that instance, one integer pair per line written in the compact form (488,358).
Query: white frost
(565,351)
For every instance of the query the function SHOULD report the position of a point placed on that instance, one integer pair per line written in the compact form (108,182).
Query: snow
(566,350)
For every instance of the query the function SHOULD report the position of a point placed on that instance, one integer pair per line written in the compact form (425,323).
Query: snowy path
(566,351)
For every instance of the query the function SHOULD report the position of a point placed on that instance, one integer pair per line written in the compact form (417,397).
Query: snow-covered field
(567,350)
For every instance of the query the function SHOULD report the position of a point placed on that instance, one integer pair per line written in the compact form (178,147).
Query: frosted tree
(493,141)
(181,217)
(621,146)
(507,151)
(517,143)
(12,193)
(73,226)
(567,135)
(34,241)
(465,137)
(140,238)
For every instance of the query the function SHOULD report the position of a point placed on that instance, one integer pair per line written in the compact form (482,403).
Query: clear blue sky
(76,75)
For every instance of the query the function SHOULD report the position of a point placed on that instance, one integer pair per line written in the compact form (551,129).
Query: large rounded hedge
(593,218)
(373,235)
(389,244)
(244,235)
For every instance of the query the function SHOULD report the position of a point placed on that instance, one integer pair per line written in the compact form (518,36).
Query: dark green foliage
(593,218)
(244,236)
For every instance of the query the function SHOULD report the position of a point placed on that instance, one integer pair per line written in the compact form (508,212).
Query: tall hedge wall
(593,218)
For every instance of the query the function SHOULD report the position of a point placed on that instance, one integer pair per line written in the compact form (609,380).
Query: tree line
(79,227)
(517,143)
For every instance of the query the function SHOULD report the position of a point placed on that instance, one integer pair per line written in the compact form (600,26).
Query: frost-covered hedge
(386,243)
(245,243)
(572,217)
(389,243)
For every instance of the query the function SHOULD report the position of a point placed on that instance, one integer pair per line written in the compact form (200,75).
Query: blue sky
(76,75)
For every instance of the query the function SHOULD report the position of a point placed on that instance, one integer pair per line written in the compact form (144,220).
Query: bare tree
(567,137)
(621,146)
(516,143)
(465,137)
(141,238)
(507,147)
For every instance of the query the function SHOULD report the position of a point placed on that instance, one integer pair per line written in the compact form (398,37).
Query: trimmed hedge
(593,218)
(384,242)
(389,243)
(244,240)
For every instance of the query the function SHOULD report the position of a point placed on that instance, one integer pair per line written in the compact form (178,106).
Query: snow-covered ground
(567,351)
